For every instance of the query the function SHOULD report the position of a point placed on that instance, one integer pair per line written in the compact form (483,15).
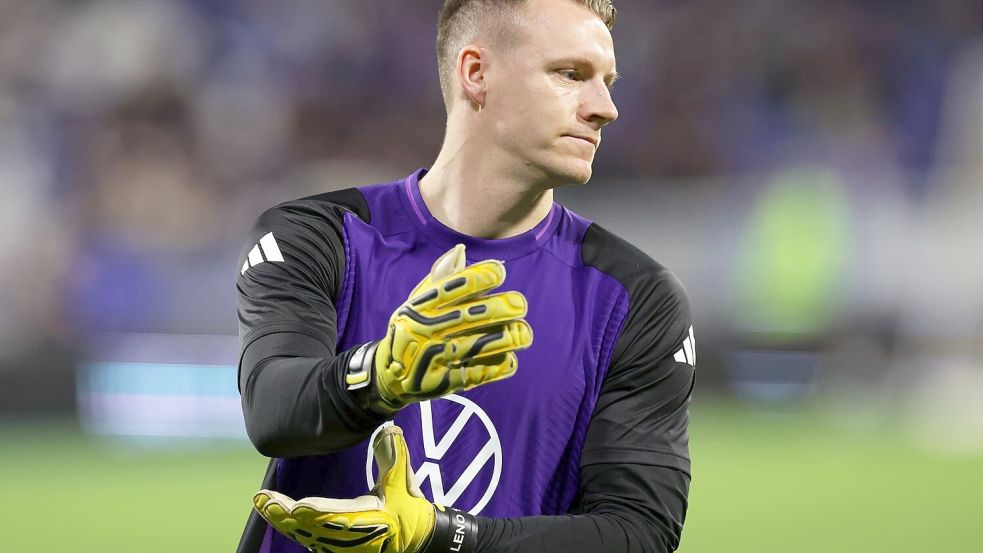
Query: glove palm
(394,518)
(450,334)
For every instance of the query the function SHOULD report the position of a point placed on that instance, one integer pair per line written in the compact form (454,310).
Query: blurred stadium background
(811,169)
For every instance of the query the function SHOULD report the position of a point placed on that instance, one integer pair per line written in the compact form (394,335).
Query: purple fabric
(539,416)
(344,300)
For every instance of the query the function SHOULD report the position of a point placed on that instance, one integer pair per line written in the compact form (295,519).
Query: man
(574,441)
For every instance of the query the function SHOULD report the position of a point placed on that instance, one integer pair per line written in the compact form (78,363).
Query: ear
(472,65)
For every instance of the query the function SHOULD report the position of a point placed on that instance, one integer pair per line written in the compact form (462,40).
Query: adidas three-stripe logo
(266,250)
(687,353)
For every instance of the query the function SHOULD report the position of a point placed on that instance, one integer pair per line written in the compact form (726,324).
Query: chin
(576,171)
(584,175)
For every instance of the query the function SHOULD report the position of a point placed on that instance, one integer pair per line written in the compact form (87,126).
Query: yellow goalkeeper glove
(394,518)
(450,335)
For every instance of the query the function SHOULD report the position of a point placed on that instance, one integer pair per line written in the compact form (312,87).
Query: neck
(476,194)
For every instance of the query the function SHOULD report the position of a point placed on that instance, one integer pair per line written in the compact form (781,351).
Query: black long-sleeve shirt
(592,429)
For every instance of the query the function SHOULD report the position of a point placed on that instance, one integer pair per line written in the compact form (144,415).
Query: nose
(598,107)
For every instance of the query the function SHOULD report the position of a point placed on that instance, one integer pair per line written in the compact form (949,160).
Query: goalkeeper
(538,368)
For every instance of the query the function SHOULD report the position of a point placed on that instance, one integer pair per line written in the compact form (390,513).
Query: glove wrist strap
(360,381)
(360,367)
(453,532)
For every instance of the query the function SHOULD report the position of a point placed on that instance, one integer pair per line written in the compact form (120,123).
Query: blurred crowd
(140,138)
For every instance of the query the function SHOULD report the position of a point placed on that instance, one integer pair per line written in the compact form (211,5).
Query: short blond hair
(461,19)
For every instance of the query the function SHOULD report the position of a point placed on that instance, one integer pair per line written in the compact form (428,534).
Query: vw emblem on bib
(429,476)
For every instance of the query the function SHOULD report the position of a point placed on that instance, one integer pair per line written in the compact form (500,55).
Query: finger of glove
(412,344)
(483,371)
(475,347)
(470,282)
(400,493)
(462,318)
(449,262)
(395,470)
(442,379)
(347,524)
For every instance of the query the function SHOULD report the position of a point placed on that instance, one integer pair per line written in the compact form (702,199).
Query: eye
(569,74)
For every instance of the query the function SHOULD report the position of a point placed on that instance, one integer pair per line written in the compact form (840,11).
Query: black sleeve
(291,379)
(635,467)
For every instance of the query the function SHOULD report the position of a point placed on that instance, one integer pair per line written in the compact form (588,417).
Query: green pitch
(794,484)
(787,484)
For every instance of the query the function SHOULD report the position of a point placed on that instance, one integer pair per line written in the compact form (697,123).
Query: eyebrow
(612,78)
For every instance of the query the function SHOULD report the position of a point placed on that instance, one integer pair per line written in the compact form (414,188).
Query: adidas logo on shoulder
(266,250)
(687,353)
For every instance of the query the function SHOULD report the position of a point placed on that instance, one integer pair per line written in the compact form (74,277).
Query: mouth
(592,140)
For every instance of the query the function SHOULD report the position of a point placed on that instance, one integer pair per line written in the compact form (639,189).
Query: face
(548,95)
